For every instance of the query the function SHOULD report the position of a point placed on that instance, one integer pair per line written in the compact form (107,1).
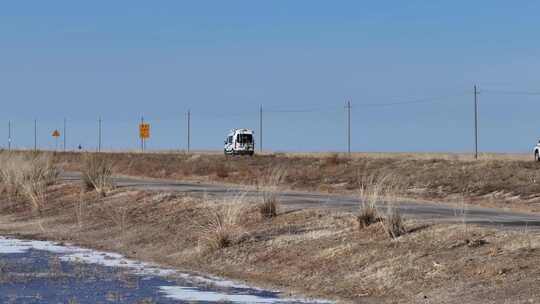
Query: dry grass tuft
(97,173)
(220,226)
(373,190)
(393,223)
(28,175)
(367,216)
(270,183)
(269,207)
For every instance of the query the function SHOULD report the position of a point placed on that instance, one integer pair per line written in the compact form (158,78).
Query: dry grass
(28,175)
(97,173)
(313,252)
(393,223)
(413,155)
(222,171)
(221,224)
(509,181)
(269,207)
(373,191)
(270,185)
(367,216)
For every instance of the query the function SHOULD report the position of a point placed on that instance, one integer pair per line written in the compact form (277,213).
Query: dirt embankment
(316,253)
(504,183)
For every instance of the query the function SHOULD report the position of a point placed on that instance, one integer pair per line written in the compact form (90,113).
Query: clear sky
(408,67)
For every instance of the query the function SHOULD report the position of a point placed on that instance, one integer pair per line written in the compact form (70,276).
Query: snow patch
(192,294)
(74,254)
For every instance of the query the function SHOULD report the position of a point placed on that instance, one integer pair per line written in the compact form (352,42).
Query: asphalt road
(290,200)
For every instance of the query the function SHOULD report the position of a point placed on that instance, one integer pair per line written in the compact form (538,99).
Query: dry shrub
(28,175)
(220,226)
(97,173)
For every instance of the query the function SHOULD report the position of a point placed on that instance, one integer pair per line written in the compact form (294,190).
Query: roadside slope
(503,183)
(312,252)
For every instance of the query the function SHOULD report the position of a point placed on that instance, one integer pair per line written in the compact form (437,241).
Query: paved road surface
(291,200)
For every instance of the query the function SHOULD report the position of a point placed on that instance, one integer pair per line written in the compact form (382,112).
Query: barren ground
(312,252)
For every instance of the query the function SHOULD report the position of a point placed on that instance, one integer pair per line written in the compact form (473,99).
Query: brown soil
(493,182)
(316,253)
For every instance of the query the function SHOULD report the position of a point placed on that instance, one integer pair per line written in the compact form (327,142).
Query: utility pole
(142,138)
(261,129)
(99,134)
(475,122)
(35,134)
(188,130)
(348,106)
(9,135)
(64,132)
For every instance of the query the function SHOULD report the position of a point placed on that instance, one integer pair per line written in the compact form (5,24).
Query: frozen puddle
(47,272)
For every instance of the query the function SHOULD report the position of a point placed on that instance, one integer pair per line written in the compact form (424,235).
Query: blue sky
(301,60)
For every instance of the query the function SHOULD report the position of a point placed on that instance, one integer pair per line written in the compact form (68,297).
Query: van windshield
(245,138)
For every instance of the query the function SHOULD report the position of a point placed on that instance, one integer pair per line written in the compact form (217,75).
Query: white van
(240,142)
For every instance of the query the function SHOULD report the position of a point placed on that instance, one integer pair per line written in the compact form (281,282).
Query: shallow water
(45,272)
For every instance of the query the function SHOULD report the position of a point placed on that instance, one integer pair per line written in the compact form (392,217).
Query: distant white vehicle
(537,152)
(240,142)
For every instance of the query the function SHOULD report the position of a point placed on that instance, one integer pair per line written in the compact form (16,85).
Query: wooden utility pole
(99,134)
(9,135)
(475,122)
(261,129)
(188,131)
(64,136)
(35,134)
(142,137)
(348,127)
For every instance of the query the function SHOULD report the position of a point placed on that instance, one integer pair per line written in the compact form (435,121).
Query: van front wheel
(536,156)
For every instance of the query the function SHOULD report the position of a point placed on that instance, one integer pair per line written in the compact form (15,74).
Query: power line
(511,92)
(414,101)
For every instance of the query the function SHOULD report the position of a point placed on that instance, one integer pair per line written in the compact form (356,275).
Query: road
(291,200)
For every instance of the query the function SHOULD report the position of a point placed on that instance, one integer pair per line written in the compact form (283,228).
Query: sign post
(56,134)
(144,134)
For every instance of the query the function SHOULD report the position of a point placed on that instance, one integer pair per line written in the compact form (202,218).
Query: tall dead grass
(97,173)
(220,225)
(269,184)
(28,175)
(373,191)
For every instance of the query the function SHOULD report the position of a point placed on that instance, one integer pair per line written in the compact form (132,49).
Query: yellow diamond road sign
(56,133)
